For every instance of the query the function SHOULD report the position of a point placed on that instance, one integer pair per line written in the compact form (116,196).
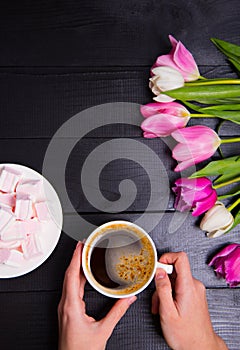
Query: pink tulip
(196,194)
(163,118)
(226,264)
(180,59)
(196,143)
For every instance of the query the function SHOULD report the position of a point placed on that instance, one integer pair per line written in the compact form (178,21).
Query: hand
(76,329)
(183,309)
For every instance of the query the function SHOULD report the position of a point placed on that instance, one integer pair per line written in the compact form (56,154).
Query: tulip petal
(163,98)
(149,135)
(186,63)
(205,204)
(223,253)
(163,124)
(172,108)
(196,183)
(232,268)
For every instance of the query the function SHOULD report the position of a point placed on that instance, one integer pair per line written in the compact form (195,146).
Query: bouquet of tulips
(180,93)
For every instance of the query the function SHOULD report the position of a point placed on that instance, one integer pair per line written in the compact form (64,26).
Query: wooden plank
(42,101)
(103,33)
(172,233)
(152,171)
(137,329)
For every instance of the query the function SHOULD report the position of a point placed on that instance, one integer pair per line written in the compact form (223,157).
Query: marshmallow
(4,255)
(9,179)
(14,259)
(7,199)
(9,244)
(15,232)
(24,207)
(31,247)
(6,219)
(31,187)
(42,211)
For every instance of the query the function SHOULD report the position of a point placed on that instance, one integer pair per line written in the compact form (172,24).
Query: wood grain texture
(59,58)
(187,237)
(137,330)
(36,103)
(146,177)
(99,33)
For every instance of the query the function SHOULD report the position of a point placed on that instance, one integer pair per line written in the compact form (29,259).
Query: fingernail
(131,300)
(78,244)
(160,275)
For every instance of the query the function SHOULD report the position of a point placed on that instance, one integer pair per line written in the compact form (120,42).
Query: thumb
(164,292)
(116,313)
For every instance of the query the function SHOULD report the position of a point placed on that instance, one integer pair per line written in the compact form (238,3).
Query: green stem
(213,82)
(226,183)
(235,139)
(199,115)
(234,205)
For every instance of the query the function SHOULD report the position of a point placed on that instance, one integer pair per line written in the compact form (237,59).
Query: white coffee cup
(119,259)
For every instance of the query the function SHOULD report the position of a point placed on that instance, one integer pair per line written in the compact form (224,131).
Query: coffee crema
(122,269)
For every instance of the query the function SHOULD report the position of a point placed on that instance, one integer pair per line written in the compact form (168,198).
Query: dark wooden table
(61,57)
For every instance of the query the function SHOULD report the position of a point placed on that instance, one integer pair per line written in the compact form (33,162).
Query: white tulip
(165,78)
(217,220)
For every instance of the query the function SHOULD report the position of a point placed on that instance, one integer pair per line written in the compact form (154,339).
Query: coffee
(121,260)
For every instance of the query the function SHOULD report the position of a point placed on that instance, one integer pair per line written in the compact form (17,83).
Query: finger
(164,292)
(116,313)
(82,284)
(71,284)
(182,268)
(155,303)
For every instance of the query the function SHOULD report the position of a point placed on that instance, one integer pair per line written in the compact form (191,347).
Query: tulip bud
(226,264)
(164,79)
(180,59)
(217,220)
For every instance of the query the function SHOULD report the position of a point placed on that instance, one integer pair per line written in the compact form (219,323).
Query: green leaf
(236,220)
(207,93)
(225,107)
(236,63)
(227,169)
(228,195)
(229,50)
(233,116)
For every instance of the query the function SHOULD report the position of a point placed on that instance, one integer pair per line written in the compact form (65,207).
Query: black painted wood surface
(59,58)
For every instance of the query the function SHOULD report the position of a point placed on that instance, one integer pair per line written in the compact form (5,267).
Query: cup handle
(166,267)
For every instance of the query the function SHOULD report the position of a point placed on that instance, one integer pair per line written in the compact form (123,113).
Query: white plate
(52,228)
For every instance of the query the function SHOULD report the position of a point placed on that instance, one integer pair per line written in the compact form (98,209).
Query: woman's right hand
(183,308)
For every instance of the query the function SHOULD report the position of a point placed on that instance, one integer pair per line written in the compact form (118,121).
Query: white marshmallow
(31,246)
(24,207)
(6,219)
(31,187)
(9,179)
(15,258)
(7,199)
(15,232)
(42,211)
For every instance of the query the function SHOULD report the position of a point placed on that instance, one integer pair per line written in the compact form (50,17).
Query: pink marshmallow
(31,247)
(15,259)
(7,199)
(9,244)
(4,255)
(6,219)
(9,179)
(31,187)
(24,207)
(15,232)
(42,211)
